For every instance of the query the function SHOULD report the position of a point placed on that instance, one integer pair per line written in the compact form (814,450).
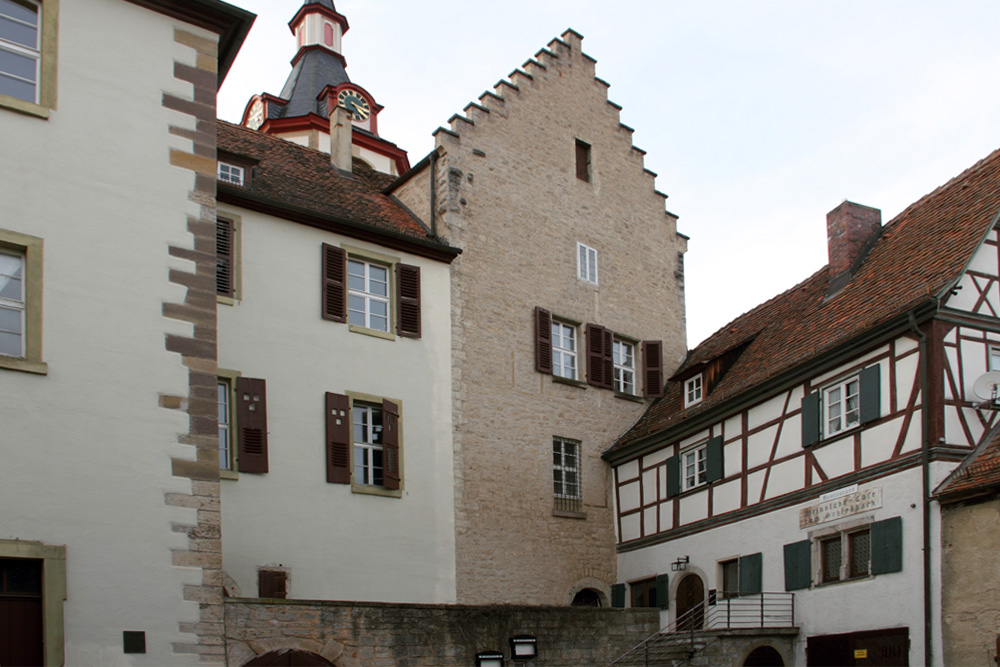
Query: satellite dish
(987,386)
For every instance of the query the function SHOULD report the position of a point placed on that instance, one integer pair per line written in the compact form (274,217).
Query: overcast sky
(759,116)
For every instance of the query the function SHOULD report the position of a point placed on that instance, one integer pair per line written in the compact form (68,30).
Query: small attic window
(231,173)
(583,160)
(692,390)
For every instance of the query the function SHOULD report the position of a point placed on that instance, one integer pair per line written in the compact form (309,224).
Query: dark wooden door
(21,627)
(690,610)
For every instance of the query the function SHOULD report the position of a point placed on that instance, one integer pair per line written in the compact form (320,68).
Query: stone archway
(587,597)
(289,657)
(690,599)
(764,656)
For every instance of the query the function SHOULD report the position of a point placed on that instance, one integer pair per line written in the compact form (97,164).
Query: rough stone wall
(507,193)
(970,582)
(395,635)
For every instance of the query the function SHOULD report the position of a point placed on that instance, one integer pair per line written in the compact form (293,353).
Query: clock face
(256,117)
(355,103)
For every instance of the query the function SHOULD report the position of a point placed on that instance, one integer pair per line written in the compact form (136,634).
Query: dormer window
(692,390)
(231,173)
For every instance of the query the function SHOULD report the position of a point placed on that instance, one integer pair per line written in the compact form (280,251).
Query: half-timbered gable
(795,450)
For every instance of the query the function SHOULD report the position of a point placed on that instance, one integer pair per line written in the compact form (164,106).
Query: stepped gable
(290,175)
(917,258)
(560,54)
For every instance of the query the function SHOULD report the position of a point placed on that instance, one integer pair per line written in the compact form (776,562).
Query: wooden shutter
(338,439)
(543,340)
(618,596)
(600,362)
(272,584)
(408,300)
(652,368)
(798,565)
(751,574)
(871,394)
(251,420)
(887,546)
(714,468)
(224,255)
(662,591)
(334,283)
(390,445)
(673,476)
(810,419)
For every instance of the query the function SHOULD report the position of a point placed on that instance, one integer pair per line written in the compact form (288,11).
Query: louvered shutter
(408,300)
(224,255)
(673,476)
(618,596)
(751,574)
(887,545)
(543,340)
(798,565)
(810,419)
(609,360)
(871,394)
(390,445)
(338,439)
(334,283)
(662,591)
(652,368)
(600,363)
(251,420)
(714,468)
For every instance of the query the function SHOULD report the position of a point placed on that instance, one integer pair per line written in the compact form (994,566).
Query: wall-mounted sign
(840,507)
(860,653)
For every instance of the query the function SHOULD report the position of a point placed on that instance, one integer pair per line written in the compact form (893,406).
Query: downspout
(925,462)
(434,159)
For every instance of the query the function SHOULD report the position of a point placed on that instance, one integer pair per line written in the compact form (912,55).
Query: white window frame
(694,467)
(624,359)
(694,390)
(16,304)
(836,398)
(586,263)
(368,296)
(366,472)
(564,359)
(562,450)
(993,362)
(224,394)
(32,52)
(231,173)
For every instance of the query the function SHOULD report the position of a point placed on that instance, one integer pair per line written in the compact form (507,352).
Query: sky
(759,116)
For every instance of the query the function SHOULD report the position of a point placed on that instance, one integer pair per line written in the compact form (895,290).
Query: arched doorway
(289,657)
(587,597)
(764,656)
(690,610)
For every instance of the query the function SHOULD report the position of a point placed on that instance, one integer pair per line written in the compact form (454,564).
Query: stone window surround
(47,66)
(53,590)
(31,248)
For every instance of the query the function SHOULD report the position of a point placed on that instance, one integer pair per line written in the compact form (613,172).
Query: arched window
(328,34)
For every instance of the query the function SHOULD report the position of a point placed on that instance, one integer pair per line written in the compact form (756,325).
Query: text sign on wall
(838,508)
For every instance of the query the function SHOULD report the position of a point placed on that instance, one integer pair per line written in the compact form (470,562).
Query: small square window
(693,390)
(694,466)
(586,264)
(624,359)
(564,350)
(231,173)
(842,406)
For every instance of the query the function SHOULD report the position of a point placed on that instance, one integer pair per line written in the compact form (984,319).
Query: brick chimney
(850,229)
(341,131)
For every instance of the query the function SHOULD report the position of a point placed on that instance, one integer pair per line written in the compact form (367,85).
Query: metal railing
(680,640)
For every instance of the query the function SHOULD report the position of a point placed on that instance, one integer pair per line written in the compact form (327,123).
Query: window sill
(225,300)
(629,397)
(572,383)
(376,491)
(566,514)
(27,108)
(354,328)
(228,474)
(24,365)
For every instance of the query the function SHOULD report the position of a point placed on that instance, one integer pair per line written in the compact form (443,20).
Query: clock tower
(318,84)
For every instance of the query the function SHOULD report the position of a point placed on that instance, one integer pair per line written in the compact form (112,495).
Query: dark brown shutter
(652,368)
(251,420)
(338,439)
(334,283)
(272,584)
(609,360)
(390,445)
(408,300)
(543,340)
(224,253)
(600,363)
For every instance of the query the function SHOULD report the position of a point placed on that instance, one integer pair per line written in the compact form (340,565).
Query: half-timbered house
(791,462)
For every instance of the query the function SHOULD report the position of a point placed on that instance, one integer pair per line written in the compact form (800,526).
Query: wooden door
(690,607)
(21,625)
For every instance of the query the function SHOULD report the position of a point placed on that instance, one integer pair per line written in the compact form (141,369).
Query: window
(845,556)
(28,55)
(224,393)
(21,302)
(730,578)
(363,442)
(227,256)
(586,266)
(624,358)
(994,358)
(859,553)
(230,173)
(841,406)
(856,551)
(242,417)
(368,295)
(742,576)
(272,584)
(695,461)
(831,559)
(692,390)
(583,160)
(566,474)
(564,350)
(32,590)
(644,593)
(696,466)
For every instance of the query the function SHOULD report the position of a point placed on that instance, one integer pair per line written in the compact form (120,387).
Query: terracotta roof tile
(917,256)
(979,472)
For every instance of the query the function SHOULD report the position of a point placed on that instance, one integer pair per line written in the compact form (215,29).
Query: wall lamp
(489,659)
(680,564)
(523,646)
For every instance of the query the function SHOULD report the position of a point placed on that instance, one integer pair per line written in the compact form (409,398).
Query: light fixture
(523,646)
(489,659)
(680,564)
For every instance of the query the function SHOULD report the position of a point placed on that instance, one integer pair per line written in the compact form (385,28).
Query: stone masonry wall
(395,635)
(507,194)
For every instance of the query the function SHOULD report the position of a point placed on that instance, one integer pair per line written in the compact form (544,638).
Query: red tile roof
(917,257)
(980,472)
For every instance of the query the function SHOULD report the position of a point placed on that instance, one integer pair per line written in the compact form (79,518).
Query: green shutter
(871,393)
(618,596)
(714,469)
(798,565)
(662,591)
(810,419)
(751,574)
(887,545)
(673,476)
